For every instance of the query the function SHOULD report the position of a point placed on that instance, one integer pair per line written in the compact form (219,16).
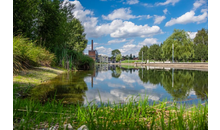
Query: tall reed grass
(72,59)
(30,114)
(26,54)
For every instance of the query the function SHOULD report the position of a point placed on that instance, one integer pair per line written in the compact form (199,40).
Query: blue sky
(127,25)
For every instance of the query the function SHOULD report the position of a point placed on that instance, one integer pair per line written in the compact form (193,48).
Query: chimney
(92,44)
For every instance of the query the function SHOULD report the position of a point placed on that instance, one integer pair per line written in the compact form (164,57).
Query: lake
(110,83)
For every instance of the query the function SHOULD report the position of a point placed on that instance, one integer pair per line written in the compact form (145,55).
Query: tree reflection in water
(182,83)
(69,87)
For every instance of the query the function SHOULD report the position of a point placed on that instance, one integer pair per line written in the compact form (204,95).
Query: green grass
(35,76)
(30,114)
(26,54)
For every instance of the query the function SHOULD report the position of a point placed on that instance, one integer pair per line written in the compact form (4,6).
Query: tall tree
(77,40)
(201,52)
(130,56)
(154,52)
(145,53)
(25,13)
(183,46)
(118,57)
(201,37)
(115,52)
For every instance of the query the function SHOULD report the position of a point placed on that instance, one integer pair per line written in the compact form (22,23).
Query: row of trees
(184,48)
(51,24)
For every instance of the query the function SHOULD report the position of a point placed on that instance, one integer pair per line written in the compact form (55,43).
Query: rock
(83,127)
(56,127)
(68,127)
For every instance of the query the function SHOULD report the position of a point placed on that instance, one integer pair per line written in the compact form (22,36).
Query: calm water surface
(118,83)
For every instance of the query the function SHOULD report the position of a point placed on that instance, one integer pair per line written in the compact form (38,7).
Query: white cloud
(158,19)
(204,10)
(165,11)
(129,29)
(103,51)
(116,85)
(188,17)
(131,48)
(116,41)
(117,28)
(148,42)
(192,35)
(173,2)
(147,5)
(198,3)
(122,13)
(131,2)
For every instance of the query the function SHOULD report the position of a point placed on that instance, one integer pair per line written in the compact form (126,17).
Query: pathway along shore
(189,66)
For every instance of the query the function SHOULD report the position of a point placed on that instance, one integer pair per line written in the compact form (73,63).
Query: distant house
(102,59)
(136,58)
(111,60)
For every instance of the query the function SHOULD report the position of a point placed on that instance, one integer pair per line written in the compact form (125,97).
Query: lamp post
(173,52)
(142,56)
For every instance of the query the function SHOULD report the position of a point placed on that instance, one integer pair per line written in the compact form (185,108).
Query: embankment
(190,66)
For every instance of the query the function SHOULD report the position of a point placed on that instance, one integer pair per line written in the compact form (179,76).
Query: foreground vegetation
(30,114)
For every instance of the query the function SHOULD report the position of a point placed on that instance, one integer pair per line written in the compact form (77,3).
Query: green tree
(183,46)
(145,53)
(154,52)
(130,56)
(201,37)
(77,40)
(115,52)
(25,13)
(201,52)
(118,57)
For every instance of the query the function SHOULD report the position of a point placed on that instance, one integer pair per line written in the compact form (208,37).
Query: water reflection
(69,87)
(116,84)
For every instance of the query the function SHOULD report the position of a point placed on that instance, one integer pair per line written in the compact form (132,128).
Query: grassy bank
(29,114)
(35,76)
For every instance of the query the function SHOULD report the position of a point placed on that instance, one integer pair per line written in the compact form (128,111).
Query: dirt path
(190,66)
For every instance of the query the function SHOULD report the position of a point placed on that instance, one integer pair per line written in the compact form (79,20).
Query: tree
(201,52)
(115,52)
(118,57)
(77,40)
(183,46)
(145,53)
(154,52)
(24,14)
(130,56)
(201,37)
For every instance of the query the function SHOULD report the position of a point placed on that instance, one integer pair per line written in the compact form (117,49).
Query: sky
(128,25)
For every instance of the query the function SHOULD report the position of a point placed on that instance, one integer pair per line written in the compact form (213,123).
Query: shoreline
(35,76)
(188,66)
